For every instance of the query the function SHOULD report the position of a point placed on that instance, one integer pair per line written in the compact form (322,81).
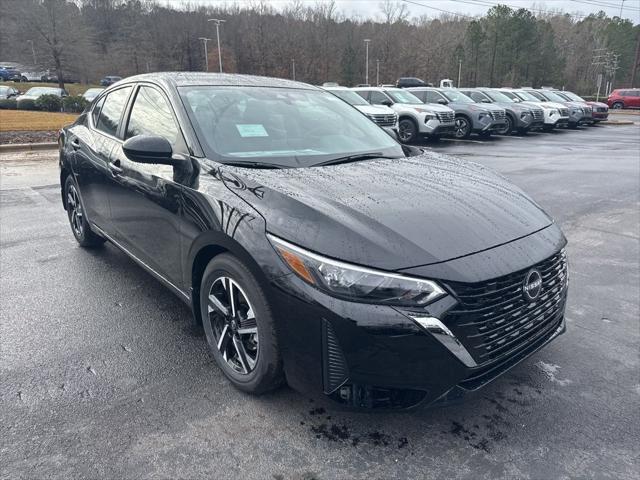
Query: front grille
(385,120)
(564,112)
(445,117)
(498,116)
(538,114)
(493,319)
(603,109)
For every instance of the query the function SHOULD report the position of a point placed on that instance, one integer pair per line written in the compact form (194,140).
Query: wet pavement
(102,377)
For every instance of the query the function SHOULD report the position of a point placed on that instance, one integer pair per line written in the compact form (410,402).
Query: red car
(624,98)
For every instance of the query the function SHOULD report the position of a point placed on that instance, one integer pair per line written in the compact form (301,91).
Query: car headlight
(356,283)
(525,113)
(483,115)
(553,112)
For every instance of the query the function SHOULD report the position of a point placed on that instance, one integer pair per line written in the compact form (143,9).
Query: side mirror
(386,103)
(148,149)
(442,101)
(485,100)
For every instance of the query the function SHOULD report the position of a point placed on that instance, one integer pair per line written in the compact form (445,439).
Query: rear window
(112,111)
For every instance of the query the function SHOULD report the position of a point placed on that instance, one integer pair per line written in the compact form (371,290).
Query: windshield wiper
(253,164)
(351,158)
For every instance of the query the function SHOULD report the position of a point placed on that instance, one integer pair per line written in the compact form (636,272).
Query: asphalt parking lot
(102,377)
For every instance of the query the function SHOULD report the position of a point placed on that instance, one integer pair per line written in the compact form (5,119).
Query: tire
(485,134)
(523,131)
(259,368)
(23,79)
(548,128)
(77,219)
(407,130)
(508,129)
(462,127)
(617,105)
(573,126)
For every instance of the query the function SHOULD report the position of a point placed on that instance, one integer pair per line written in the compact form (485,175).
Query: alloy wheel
(461,127)
(617,106)
(75,210)
(506,130)
(406,130)
(234,325)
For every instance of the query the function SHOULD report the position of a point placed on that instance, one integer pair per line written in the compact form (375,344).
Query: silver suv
(415,119)
(470,117)
(520,117)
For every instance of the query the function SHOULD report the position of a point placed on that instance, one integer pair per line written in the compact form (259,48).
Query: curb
(22,147)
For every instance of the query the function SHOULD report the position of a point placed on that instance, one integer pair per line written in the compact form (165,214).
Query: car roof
(379,89)
(183,79)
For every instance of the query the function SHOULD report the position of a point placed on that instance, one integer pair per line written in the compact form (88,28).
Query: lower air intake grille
(335,366)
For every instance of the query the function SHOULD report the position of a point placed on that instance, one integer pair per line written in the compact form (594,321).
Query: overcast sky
(434,8)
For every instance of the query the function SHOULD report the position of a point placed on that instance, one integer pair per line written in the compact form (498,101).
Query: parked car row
(424,112)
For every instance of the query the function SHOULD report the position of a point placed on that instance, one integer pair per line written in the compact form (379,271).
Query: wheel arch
(204,249)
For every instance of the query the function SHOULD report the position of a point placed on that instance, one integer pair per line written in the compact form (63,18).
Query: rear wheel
(462,127)
(77,218)
(407,130)
(617,106)
(239,326)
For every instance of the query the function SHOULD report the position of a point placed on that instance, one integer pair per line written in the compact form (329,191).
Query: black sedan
(312,247)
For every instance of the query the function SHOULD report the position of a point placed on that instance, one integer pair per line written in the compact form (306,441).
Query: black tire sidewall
(70,181)
(412,128)
(267,372)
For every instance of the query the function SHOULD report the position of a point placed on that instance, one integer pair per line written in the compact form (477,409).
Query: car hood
(375,109)
(390,213)
(597,104)
(492,107)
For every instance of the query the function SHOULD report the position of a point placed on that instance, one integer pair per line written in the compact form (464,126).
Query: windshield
(526,96)
(281,127)
(455,96)
(511,95)
(352,98)
(402,96)
(499,96)
(572,96)
(42,91)
(554,97)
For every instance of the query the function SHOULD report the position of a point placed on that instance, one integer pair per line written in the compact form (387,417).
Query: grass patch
(21,120)
(72,88)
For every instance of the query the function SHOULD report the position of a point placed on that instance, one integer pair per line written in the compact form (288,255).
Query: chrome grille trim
(445,117)
(385,120)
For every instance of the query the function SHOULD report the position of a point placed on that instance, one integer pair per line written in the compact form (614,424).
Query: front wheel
(462,128)
(507,128)
(407,130)
(239,326)
(77,218)
(618,106)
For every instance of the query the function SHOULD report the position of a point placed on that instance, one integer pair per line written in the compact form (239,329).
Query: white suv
(379,114)
(415,118)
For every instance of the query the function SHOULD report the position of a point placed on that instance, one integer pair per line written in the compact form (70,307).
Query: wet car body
(579,112)
(481,238)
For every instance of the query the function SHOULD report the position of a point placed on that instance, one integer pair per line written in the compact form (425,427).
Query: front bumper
(373,356)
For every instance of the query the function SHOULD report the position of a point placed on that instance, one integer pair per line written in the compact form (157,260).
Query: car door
(145,201)
(92,145)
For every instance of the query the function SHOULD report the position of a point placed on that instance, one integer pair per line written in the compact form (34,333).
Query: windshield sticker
(251,130)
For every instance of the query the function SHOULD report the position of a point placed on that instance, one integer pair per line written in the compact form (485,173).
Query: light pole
(366,73)
(621,5)
(206,53)
(293,68)
(377,72)
(459,71)
(218,22)
(33,51)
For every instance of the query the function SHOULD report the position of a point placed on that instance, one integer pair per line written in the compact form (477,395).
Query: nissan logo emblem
(532,285)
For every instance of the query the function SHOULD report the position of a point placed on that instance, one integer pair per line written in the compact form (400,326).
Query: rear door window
(111,111)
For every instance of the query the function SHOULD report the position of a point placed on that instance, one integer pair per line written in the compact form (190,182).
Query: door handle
(115,167)
(75,144)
